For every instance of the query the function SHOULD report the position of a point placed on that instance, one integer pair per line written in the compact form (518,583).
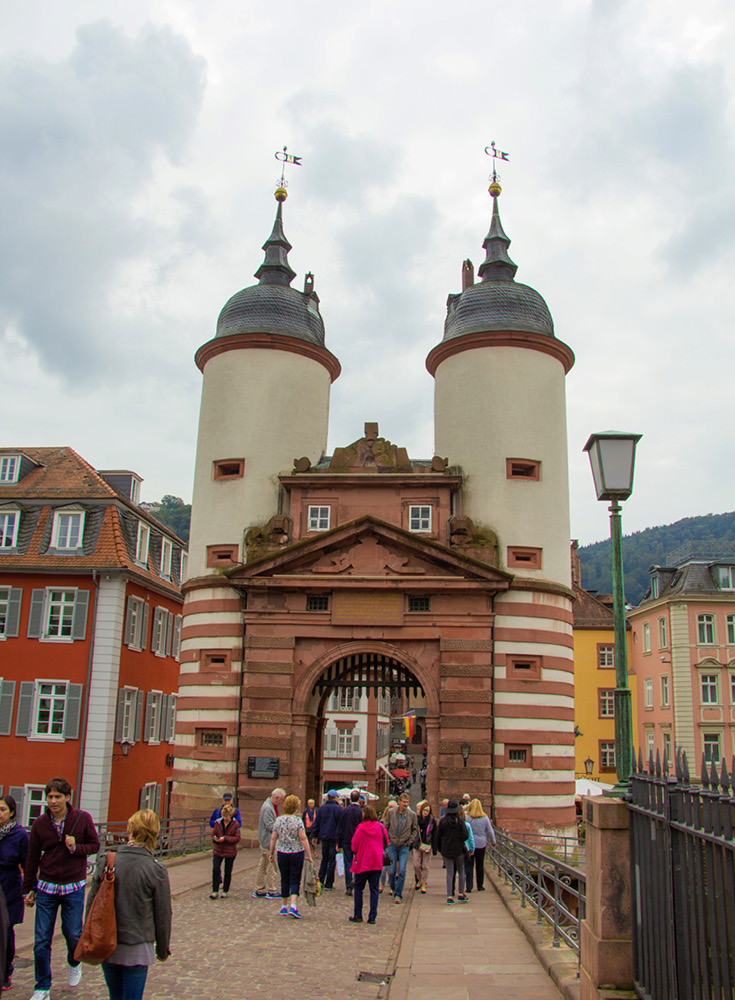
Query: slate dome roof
(497,301)
(272,306)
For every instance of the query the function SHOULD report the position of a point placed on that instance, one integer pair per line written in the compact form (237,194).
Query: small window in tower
(229,468)
(210,738)
(523,668)
(319,518)
(216,660)
(523,468)
(221,555)
(422,603)
(524,557)
(317,602)
(517,755)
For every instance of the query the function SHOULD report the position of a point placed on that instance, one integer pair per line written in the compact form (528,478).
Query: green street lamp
(612,457)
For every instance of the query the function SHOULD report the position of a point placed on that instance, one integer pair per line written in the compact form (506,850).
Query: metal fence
(683,881)
(556,890)
(177,838)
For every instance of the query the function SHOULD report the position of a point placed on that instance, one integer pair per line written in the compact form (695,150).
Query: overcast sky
(137,171)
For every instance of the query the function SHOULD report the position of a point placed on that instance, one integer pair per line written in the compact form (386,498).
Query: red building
(90,627)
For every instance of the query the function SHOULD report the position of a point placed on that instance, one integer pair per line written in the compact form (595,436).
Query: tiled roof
(590,612)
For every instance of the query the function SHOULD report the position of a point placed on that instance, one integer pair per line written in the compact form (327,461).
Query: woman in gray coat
(142,908)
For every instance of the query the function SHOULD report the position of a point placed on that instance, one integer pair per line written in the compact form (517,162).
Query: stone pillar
(432,764)
(606,933)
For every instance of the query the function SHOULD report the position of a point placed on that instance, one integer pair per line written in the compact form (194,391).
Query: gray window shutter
(171,719)
(35,623)
(162,719)
(138,717)
(147,721)
(12,620)
(144,627)
(7,697)
(128,630)
(79,629)
(333,744)
(120,715)
(142,798)
(72,711)
(355,742)
(157,800)
(176,637)
(169,631)
(18,792)
(335,701)
(25,707)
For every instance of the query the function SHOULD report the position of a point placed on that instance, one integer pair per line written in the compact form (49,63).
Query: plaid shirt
(60,890)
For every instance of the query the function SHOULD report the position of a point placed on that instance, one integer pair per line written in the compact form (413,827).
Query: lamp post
(589,766)
(612,457)
(465,751)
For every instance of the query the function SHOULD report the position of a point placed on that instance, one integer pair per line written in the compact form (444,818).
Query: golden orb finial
(495,189)
(281,194)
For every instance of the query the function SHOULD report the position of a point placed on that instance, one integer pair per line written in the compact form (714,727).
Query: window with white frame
(153,717)
(730,621)
(607,755)
(50,708)
(650,743)
(605,657)
(150,796)
(348,742)
(136,623)
(648,692)
(166,553)
(183,565)
(646,637)
(9,468)
(68,530)
(126,705)
(726,577)
(663,633)
(419,518)
(666,736)
(60,614)
(711,747)
(705,630)
(665,691)
(176,637)
(142,543)
(319,518)
(161,632)
(606,699)
(709,686)
(9,521)
(655,587)
(34,802)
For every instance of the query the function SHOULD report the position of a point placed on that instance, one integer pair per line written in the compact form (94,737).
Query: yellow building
(594,682)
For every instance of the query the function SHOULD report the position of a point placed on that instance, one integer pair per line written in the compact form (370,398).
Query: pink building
(683,657)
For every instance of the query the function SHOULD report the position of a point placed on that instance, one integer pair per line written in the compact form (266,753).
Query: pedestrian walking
(424,845)
(401,826)
(386,868)
(307,817)
(266,877)
(452,833)
(484,835)
(227,800)
(225,838)
(326,827)
(61,840)
(13,854)
(290,840)
(142,908)
(368,844)
(349,821)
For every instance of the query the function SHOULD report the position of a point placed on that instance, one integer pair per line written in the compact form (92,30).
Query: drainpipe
(85,701)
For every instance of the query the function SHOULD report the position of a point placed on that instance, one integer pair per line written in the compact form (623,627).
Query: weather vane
(496,154)
(286,157)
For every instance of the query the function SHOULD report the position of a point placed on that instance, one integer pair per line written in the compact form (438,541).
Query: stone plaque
(367,607)
(263,767)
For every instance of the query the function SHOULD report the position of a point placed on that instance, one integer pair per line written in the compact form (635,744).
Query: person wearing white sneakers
(61,840)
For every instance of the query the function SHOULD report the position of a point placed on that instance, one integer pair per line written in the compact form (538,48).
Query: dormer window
(141,548)
(166,553)
(726,577)
(419,518)
(9,521)
(183,566)
(319,518)
(68,530)
(9,468)
(135,489)
(654,587)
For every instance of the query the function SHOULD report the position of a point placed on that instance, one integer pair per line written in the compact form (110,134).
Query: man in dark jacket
(326,828)
(61,840)
(348,822)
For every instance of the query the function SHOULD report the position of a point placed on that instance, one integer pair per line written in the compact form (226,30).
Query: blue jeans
(373,878)
(124,982)
(348,856)
(326,868)
(399,860)
(290,866)
(72,918)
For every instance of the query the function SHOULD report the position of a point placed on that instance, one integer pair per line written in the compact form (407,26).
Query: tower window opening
(229,468)
(524,557)
(523,468)
(518,756)
(317,602)
(416,603)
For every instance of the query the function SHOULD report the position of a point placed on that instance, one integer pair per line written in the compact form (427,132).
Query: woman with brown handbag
(142,908)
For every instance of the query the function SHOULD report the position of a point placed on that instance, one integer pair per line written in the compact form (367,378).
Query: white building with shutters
(356,738)
(90,629)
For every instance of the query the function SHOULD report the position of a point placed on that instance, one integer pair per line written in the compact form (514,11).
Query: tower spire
(275,269)
(497,265)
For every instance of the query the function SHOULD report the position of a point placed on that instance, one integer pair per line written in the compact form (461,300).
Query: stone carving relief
(367,558)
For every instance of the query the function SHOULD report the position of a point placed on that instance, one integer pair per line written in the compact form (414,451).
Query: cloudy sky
(137,169)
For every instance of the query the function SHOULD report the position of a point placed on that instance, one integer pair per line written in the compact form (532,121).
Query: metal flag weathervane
(496,154)
(286,157)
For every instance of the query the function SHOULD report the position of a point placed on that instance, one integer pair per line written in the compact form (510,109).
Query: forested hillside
(650,547)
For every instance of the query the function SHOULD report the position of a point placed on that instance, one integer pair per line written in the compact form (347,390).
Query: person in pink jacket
(368,843)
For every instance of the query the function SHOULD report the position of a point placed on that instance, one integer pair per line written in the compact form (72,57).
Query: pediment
(370,548)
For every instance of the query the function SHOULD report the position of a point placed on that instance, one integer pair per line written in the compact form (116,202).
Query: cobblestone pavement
(242,947)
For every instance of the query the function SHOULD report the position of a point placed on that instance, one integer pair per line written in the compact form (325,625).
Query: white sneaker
(40,995)
(75,975)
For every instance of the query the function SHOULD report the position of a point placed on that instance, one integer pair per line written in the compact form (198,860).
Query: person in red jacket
(368,843)
(225,838)
(61,840)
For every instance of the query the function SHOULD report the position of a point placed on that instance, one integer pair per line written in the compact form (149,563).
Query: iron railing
(683,881)
(178,837)
(556,891)
(570,850)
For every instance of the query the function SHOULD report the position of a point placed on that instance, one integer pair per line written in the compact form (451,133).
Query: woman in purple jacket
(13,853)
(225,838)
(368,844)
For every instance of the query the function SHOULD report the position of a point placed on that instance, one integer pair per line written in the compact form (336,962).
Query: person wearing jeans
(368,843)
(289,836)
(402,827)
(326,828)
(61,840)
(348,822)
